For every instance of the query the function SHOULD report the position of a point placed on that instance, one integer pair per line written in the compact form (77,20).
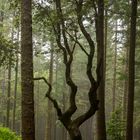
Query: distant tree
(16,85)
(9,92)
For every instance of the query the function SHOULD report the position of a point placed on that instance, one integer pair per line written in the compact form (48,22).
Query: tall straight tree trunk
(131,72)
(15,88)
(101,127)
(1,18)
(27,84)
(3,93)
(49,118)
(105,40)
(4,77)
(37,111)
(125,95)
(15,94)
(114,72)
(8,94)
(9,86)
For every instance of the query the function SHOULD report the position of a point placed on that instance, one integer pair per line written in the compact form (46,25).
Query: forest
(69,70)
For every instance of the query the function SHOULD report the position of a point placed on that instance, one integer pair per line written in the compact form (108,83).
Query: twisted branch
(56,106)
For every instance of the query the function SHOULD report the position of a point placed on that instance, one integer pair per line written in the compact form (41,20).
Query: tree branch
(82,48)
(56,106)
(89,40)
(83,30)
(60,15)
(92,94)
(72,108)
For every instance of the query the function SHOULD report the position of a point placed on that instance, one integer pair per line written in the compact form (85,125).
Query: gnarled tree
(64,36)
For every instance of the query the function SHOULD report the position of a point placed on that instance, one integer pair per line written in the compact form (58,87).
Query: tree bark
(114,72)
(101,127)
(75,134)
(27,85)
(125,95)
(3,93)
(9,86)
(15,88)
(131,71)
(1,18)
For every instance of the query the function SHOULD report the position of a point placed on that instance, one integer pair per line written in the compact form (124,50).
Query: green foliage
(7,134)
(7,51)
(115,126)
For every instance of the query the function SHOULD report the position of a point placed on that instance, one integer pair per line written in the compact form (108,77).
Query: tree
(8,93)
(16,84)
(67,39)
(131,71)
(9,84)
(101,127)
(28,126)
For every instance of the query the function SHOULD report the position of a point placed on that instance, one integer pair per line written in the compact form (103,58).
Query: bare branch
(67,63)
(92,95)
(89,40)
(73,48)
(80,22)
(60,15)
(45,80)
(59,112)
(56,106)
(78,43)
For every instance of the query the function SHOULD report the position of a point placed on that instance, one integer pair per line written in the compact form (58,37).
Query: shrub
(7,134)
(116,126)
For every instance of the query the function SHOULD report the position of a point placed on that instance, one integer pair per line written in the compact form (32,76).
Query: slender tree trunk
(9,86)
(114,72)
(125,93)
(27,84)
(101,127)
(3,80)
(3,93)
(37,111)
(15,94)
(8,95)
(1,19)
(4,77)
(125,83)
(131,72)
(15,88)
(105,41)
